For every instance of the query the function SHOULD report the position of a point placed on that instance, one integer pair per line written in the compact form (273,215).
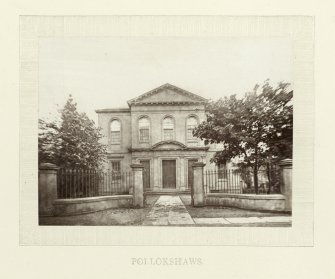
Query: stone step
(168,192)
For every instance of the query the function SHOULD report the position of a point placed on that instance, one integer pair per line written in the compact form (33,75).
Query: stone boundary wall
(66,207)
(50,205)
(275,202)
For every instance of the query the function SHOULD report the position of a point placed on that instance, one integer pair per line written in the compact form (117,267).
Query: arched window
(191,123)
(168,128)
(144,129)
(115,128)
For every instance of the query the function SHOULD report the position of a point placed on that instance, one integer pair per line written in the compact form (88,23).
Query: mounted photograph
(165,131)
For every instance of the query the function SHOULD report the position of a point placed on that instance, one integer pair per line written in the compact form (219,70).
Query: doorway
(169,174)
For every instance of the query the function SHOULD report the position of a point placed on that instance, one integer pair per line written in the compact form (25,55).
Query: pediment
(169,145)
(167,94)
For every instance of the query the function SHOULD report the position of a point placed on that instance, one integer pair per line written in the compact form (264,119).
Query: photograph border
(300,29)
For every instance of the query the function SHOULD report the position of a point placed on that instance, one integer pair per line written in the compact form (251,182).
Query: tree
(74,142)
(256,130)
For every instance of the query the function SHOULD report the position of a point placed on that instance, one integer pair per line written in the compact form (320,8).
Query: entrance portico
(169,163)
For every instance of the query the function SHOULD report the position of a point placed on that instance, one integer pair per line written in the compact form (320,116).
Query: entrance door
(169,174)
(190,172)
(146,173)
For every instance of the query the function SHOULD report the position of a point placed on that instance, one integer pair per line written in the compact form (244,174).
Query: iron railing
(241,182)
(76,183)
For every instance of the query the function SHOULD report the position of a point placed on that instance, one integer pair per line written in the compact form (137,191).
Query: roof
(148,98)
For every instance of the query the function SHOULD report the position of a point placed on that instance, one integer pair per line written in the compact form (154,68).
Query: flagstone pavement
(170,211)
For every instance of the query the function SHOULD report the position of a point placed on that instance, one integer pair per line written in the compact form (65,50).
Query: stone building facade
(156,129)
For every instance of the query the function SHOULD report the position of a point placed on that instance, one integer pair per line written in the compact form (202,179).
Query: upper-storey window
(191,123)
(115,128)
(168,128)
(144,129)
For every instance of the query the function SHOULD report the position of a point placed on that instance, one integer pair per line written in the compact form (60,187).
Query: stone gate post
(138,184)
(286,182)
(47,188)
(198,193)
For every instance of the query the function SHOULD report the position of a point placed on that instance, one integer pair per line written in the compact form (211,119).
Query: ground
(172,211)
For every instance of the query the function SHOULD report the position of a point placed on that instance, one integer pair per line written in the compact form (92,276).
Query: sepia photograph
(165,131)
(167,139)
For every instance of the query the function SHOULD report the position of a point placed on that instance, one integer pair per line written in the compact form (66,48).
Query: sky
(107,72)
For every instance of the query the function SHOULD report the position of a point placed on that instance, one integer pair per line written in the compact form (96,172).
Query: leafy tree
(256,130)
(74,142)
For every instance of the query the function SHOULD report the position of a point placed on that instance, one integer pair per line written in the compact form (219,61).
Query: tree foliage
(255,130)
(74,142)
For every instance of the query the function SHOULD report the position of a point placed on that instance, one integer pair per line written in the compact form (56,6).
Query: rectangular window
(115,137)
(144,135)
(116,166)
(168,134)
(222,172)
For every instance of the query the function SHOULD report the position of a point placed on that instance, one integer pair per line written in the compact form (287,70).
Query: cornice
(111,156)
(118,110)
(168,103)
(168,149)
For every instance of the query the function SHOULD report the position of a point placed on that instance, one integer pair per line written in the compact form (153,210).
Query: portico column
(156,174)
(182,174)
(138,184)
(198,193)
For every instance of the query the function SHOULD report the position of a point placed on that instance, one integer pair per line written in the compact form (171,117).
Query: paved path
(238,221)
(170,210)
